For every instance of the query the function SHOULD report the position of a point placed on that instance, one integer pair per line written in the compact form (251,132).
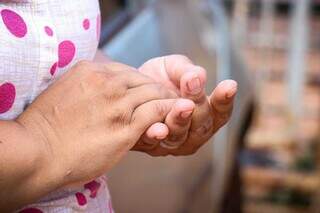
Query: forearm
(23,178)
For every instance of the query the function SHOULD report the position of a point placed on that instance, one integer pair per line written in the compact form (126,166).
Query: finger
(149,142)
(148,92)
(221,101)
(213,114)
(192,85)
(173,67)
(191,79)
(149,113)
(178,121)
(202,121)
(155,133)
(176,66)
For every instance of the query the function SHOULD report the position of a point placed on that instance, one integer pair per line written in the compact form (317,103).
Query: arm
(23,178)
(76,131)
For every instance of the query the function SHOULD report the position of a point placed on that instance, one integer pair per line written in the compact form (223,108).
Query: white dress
(39,41)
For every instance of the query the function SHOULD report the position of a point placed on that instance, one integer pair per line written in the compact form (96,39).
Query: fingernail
(186,114)
(194,86)
(230,95)
(232,89)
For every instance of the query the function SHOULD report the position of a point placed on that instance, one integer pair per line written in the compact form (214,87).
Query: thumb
(222,100)
(150,113)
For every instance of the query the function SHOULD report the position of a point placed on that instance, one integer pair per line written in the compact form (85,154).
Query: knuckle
(121,117)
(119,84)
(203,131)
(111,96)
(94,80)
(96,76)
(205,128)
(160,109)
(224,117)
(161,91)
(83,64)
(98,73)
(220,123)
(181,124)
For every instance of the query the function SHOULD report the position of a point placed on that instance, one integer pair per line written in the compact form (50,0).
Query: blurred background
(267,158)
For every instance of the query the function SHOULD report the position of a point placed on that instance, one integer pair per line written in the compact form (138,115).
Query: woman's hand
(185,135)
(90,118)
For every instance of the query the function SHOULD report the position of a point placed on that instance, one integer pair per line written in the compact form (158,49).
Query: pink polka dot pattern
(14,23)
(81,199)
(7,97)
(98,26)
(86,24)
(31,210)
(48,31)
(53,69)
(93,186)
(66,52)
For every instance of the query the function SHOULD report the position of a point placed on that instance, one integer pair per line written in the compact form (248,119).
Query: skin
(77,130)
(62,140)
(194,120)
(187,135)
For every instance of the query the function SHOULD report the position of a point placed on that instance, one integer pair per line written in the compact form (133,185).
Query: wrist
(22,167)
(46,176)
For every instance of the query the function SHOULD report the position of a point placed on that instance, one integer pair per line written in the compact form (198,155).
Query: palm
(209,114)
(156,69)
